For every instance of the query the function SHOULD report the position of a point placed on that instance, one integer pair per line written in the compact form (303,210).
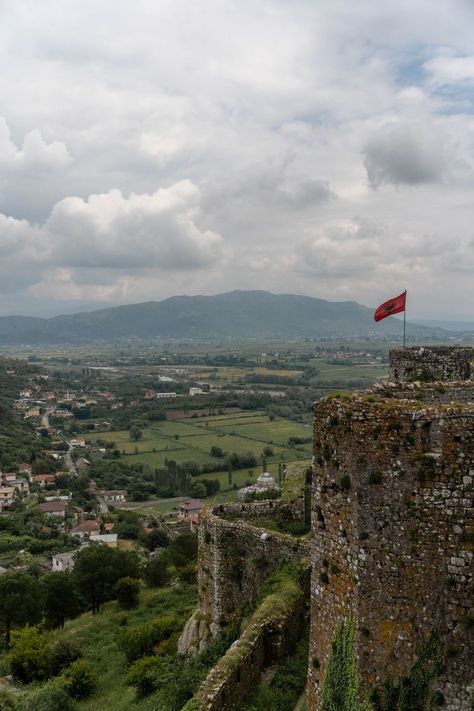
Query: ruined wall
(438,363)
(234,559)
(393,532)
(271,633)
(432,393)
(292,511)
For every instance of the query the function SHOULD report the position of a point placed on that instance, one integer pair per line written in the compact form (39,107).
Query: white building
(264,483)
(63,561)
(195,391)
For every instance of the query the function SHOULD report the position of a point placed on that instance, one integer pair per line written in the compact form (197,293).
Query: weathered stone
(414,569)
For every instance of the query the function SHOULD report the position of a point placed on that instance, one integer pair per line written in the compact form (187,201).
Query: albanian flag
(390,307)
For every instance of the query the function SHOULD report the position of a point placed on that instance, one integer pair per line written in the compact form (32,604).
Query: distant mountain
(456,326)
(237,314)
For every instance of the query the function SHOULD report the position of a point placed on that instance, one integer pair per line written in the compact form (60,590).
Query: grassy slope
(96,635)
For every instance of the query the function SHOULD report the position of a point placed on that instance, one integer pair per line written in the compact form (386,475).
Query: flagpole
(404,321)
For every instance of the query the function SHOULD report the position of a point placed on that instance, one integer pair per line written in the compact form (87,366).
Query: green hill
(237,314)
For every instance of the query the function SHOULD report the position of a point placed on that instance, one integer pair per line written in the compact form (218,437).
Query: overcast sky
(164,147)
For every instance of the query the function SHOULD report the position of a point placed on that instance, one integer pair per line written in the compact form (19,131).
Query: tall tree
(96,570)
(20,601)
(61,598)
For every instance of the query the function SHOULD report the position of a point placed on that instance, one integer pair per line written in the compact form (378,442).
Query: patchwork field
(192,440)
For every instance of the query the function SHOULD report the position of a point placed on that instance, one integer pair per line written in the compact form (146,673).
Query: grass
(183,441)
(96,636)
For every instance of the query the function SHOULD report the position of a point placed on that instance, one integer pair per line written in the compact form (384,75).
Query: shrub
(63,654)
(156,573)
(81,679)
(147,673)
(127,592)
(53,696)
(187,574)
(140,642)
(375,478)
(7,701)
(30,655)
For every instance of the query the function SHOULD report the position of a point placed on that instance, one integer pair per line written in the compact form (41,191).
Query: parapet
(431,364)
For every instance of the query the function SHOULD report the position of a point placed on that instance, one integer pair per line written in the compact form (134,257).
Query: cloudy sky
(163,147)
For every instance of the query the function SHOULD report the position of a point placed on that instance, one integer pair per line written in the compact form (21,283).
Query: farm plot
(278,431)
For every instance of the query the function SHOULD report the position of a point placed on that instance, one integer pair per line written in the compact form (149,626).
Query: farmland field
(184,440)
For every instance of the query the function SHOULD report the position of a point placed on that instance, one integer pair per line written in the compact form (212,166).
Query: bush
(187,574)
(140,642)
(63,654)
(7,701)
(156,573)
(53,696)
(81,679)
(29,658)
(147,674)
(127,592)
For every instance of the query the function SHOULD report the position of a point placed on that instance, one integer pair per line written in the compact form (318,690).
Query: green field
(192,440)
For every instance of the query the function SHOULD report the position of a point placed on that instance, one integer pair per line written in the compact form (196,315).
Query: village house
(7,497)
(82,464)
(53,508)
(149,394)
(195,391)
(111,496)
(77,442)
(109,539)
(19,483)
(32,412)
(26,393)
(63,561)
(43,479)
(86,528)
(161,396)
(189,508)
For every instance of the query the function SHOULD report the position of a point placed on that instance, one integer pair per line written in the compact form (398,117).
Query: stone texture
(392,534)
(235,557)
(438,363)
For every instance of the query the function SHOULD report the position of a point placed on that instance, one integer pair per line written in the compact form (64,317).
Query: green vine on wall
(412,693)
(341,679)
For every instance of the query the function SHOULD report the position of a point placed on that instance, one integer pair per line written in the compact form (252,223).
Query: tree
(217,451)
(127,592)
(156,573)
(182,549)
(155,539)
(53,696)
(96,570)
(61,599)
(20,601)
(198,490)
(268,451)
(29,657)
(81,679)
(135,433)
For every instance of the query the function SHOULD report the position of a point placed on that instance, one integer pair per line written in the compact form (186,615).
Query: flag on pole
(390,307)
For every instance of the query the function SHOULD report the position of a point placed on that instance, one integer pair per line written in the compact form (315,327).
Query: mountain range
(236,314)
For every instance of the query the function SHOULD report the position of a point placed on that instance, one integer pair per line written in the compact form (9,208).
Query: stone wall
(437,392)
(234,559)
(271,633)
(438,363)
(290,511)
(393,529)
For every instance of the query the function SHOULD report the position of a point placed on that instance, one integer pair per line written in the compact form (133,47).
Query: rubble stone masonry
(393,527)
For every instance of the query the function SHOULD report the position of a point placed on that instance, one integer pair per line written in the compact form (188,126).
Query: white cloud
(268,126)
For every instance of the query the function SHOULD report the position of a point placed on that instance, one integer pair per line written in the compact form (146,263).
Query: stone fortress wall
(235,557)
(393,523)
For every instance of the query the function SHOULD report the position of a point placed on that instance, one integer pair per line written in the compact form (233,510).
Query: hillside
(237,314)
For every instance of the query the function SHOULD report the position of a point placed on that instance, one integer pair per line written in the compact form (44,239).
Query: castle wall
(392,521)
(234,559)
(431,363)
(270,634)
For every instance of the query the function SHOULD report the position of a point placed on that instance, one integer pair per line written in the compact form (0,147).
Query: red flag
(390,307)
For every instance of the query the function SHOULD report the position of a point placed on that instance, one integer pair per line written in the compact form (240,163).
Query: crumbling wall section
(270,634)
(234,559)
(392,514)
(431,363)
